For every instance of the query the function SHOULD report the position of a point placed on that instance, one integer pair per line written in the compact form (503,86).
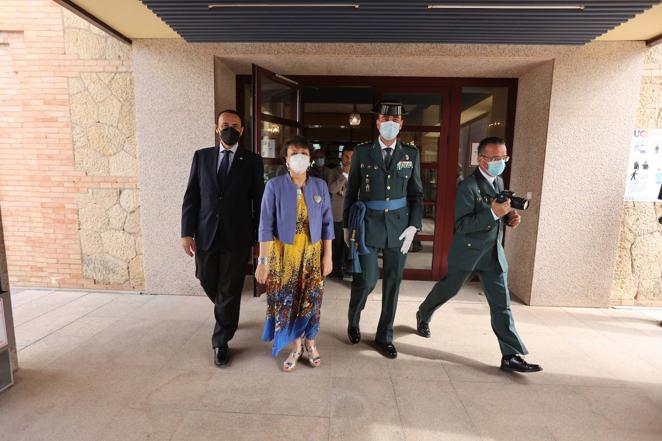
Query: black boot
(515,363)
(354,334)
(422,327)
(221,356)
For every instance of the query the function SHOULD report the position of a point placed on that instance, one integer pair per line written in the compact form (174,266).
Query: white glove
(345,233)
(408,236)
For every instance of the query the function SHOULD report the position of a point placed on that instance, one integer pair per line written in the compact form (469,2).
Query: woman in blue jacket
(295,234)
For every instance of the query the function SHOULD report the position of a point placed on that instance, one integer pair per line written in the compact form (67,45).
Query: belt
(393,204)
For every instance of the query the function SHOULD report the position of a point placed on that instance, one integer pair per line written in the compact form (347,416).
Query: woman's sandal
(291,362)
(314,361)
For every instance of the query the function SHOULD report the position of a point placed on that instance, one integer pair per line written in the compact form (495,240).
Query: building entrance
(446,119)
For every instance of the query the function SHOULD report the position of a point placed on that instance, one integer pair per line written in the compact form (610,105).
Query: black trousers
(221,273)
(338,249)
(364,283)
(495,285)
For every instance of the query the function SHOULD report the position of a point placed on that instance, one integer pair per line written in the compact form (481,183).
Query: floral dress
(294,286)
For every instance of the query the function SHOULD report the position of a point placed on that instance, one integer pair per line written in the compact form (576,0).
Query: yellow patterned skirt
(294,286)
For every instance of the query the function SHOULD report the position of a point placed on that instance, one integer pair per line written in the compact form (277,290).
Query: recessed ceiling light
(283,5)
(512,6)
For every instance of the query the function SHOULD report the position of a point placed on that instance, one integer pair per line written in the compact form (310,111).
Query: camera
(516,202)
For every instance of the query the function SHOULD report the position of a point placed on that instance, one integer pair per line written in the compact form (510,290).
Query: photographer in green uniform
(476,247)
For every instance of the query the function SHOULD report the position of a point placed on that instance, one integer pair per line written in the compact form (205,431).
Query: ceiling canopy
(479,21)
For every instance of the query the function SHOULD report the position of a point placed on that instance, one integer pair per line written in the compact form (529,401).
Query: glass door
(277,116)
(426,127)
(276,112)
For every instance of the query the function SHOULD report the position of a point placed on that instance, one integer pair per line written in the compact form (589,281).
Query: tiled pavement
(118,366)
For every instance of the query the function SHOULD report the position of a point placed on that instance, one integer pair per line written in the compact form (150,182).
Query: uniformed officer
(385,176)
(476,247)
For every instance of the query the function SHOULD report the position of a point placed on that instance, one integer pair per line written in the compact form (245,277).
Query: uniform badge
(317,198)
(404,164)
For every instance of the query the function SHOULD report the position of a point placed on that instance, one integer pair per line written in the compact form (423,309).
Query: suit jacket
(337,185)
(477,241)
(279,210)
(234,210)
(370,180)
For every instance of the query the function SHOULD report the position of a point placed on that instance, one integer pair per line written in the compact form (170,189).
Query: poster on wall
(644,178)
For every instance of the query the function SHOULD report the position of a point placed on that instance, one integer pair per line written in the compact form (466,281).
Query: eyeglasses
(496,158)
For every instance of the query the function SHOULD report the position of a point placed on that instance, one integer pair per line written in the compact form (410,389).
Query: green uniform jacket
(477,241)
(370,180)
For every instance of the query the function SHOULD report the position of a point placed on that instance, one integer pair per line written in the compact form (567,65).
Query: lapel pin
(318,198)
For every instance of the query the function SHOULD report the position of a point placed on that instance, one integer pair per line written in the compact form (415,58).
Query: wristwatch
(262,260)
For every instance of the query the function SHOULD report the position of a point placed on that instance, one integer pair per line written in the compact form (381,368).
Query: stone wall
(638,273)
(68,164)
(104,142)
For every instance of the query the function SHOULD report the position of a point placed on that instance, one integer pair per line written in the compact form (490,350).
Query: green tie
(388,156)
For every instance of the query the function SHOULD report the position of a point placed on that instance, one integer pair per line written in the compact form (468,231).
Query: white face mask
(299,163)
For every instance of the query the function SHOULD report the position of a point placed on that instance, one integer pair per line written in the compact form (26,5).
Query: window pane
(484,111)
(423,109)
(272,138)
(327,111)
(272,170)
(420,255)
(429,181)
(426,142)
(277,99)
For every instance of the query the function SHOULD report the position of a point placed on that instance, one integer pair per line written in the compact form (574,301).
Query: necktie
(223,169)
(388,156)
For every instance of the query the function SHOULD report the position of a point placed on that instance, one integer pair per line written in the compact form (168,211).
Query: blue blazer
(278,215)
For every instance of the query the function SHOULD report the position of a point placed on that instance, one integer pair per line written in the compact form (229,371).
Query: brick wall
(45,184)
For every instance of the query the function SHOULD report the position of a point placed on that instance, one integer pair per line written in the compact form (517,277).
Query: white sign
(474,153)
(268,147)
(644,179)
(3,326)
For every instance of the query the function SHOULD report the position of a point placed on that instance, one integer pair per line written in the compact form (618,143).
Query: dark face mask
(230,136)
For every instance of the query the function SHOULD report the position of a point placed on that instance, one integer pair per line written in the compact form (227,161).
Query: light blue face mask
(495,168)
(319,162)
(389,130)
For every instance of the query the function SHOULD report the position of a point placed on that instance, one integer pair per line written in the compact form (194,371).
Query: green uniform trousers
(495,285)
(364,283)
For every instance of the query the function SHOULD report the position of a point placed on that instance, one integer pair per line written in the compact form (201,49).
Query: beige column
(569,258)
(174,85)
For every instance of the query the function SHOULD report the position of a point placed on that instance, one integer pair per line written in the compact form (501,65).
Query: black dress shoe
(354,334)
(422,328)
(221,356)
(387,349)
(518,364)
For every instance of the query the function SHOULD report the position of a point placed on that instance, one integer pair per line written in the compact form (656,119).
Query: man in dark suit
(220,215)
(476,247)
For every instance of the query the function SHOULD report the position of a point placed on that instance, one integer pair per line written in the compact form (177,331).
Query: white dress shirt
(233,151)
(491,180)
